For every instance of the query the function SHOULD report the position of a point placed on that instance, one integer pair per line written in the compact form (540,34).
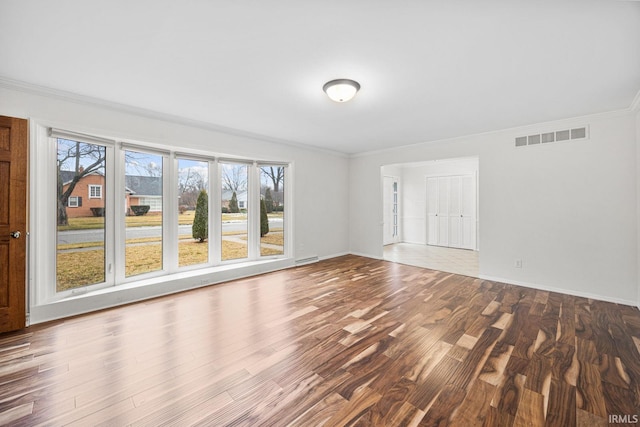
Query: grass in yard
(86,267)
(269,251)
(85,223)
(233,250)
(192,253)
(273,239)
(143,259)
(82,268)
(234,217)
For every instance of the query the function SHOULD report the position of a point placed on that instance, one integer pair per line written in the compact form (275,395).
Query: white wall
(320,228)
(414,194)
(567,210)
(638,186)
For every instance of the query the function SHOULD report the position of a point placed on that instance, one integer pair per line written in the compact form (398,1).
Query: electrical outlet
(518,263)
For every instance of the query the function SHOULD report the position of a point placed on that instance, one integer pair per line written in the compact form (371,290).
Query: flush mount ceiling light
(341,90)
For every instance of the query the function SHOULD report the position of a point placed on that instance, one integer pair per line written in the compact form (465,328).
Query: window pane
(235,206)
(272,202)
(193,216)
(80,258)
(143,208)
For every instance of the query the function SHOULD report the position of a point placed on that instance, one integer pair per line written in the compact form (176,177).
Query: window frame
(95,187)
(211,180)
(286,224)
(121,236)
(250,212)
(43,240)
(77,202)
(50,293)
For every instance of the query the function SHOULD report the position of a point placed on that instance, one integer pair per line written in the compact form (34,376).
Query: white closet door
(432,211)
(451,211)
(443,211)
(455,212)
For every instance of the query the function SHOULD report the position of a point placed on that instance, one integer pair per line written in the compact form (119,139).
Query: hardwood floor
(348,341)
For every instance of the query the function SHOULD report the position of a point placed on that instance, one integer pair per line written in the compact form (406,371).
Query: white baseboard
(322,258)
(414,243)
(366,255)
(562,291)
(543,287)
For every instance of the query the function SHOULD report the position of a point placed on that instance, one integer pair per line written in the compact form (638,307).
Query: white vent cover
(556,136)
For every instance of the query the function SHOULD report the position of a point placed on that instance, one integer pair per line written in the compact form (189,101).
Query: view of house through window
(271,210)
(80,214)
(235,206)
(143,210)
(193,212)
(159,219)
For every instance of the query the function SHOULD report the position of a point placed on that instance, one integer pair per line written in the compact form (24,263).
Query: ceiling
(429,69)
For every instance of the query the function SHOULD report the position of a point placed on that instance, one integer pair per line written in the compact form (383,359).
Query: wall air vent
(556,136)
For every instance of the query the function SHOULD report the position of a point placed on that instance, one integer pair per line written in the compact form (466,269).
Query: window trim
(286,224)
(209,160)
(77,202)
(95,187)
(47,293)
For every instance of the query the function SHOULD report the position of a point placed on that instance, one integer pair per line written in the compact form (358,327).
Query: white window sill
(151,288)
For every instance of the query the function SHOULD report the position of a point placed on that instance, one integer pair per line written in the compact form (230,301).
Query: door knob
(15,234)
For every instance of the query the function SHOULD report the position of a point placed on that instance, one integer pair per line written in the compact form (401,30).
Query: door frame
(394,238)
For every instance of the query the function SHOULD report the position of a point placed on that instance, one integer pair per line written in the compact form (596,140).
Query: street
(82,236)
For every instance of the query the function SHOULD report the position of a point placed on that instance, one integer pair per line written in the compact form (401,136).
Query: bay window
(121,213)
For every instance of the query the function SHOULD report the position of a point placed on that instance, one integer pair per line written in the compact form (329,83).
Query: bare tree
(82,159)
(190,182)
(275,174)
(234,177)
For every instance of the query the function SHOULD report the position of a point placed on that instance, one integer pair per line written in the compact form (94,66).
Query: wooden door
(13,222)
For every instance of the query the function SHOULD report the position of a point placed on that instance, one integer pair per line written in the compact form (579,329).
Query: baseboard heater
(308,260)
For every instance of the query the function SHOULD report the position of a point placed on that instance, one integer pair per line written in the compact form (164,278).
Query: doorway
(436,213)
(391,222)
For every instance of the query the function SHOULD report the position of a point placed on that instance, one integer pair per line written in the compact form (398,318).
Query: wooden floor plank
(346,341)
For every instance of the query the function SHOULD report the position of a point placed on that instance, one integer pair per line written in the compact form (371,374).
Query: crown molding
(523,128)
(48,92)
